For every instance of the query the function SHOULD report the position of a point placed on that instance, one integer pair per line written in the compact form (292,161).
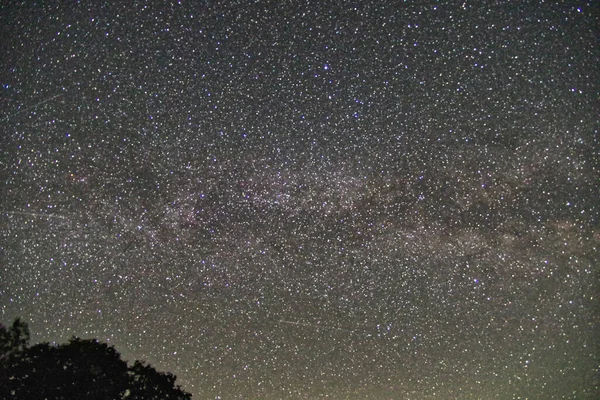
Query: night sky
(306,199)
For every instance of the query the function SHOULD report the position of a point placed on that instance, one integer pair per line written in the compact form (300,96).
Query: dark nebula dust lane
(309,199)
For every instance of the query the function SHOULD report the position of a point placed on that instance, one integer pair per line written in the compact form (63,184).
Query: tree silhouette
(79,369)
(14,339)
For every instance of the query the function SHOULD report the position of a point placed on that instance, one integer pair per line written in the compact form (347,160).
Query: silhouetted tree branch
(79,369)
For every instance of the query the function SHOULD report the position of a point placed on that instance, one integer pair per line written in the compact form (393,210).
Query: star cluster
(279,199)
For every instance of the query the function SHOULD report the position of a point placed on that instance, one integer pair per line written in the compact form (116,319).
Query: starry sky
(309,199)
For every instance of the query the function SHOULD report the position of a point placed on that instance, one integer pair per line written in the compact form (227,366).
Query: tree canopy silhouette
(80,369)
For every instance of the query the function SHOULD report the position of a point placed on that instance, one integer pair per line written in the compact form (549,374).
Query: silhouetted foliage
(79,369)
(14,339)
